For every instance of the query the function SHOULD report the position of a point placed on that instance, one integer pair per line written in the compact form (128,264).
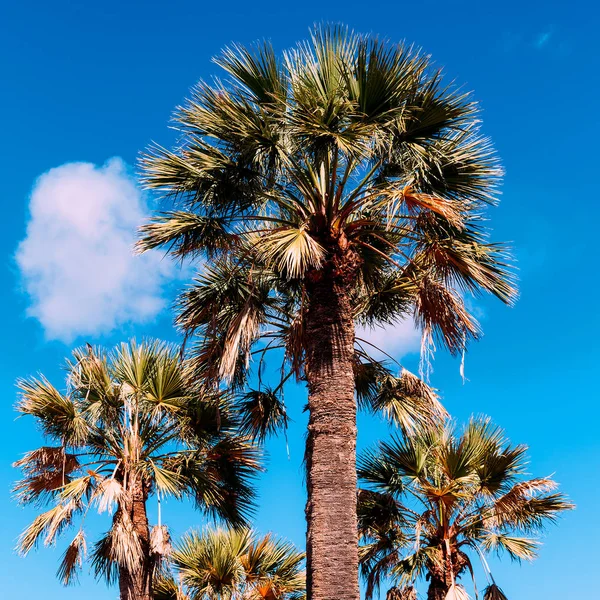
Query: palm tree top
(450,490)
(346,157)
(233,564)
(127,426)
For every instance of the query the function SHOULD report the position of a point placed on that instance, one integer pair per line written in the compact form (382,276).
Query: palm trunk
(437,589)
(332,543)
(445,573)
(137,584)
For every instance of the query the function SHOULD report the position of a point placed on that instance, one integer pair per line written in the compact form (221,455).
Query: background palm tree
(342,183)
(233,564)
(438,498)
(127,427)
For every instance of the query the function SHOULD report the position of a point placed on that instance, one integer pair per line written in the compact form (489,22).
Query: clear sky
(94,82)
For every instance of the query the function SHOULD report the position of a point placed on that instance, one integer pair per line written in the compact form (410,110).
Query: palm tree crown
(349,159)
(128,426)
(233,564)
(438,498)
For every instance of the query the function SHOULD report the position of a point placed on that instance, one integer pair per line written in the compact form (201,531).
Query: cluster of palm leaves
(232,564)
(349,157)
(435,499)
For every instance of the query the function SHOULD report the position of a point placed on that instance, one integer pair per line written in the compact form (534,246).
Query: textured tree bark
(446,571)
(332,543)
(137,584)
(437,589)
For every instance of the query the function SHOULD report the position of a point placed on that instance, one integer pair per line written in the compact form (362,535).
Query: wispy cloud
(543,39)
(77,262)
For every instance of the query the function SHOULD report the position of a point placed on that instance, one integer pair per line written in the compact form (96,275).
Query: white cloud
(77,261)
(396,340)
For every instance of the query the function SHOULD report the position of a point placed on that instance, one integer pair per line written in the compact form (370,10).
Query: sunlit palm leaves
(129,425)
(442,493)
(233,564)
(347,154)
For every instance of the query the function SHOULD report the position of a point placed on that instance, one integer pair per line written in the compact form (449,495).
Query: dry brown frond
(72,558)
(47,469)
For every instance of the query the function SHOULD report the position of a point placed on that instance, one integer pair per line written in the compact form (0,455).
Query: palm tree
(343,183)
(233,564)
(126,428)
(441,497)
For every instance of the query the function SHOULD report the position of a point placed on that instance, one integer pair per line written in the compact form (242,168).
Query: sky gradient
(88,85)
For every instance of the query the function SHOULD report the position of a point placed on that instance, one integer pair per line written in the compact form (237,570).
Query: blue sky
(88,82)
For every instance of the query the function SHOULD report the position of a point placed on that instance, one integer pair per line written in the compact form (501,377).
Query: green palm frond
(237,563)
(209,563)
(262,413)
(56,413)
(527,506)
(518,548)
(166,588)
(185,233)
(292,251)
(414,565)
(407,401)
(260,72)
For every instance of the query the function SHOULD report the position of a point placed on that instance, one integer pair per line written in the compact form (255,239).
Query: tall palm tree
(437,499)
(233,564)
(126,428)
(341,183)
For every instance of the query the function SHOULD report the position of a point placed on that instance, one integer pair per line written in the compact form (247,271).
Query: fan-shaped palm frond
(237,564)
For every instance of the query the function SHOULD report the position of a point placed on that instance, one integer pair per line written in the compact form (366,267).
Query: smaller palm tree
(440,497)
(233,564)
(127,427)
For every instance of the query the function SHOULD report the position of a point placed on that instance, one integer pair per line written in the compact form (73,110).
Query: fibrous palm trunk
(438,590)
(136,584)
(332,544)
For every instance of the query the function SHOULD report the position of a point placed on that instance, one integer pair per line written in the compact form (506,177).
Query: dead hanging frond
(48,526)
(46,470)
(441,314)
(404,593)
(243,331)
(395,204)
(120,547)
(72,559)
(160,546)
(457,592)
(493,592)
(108,494)
(295,344)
